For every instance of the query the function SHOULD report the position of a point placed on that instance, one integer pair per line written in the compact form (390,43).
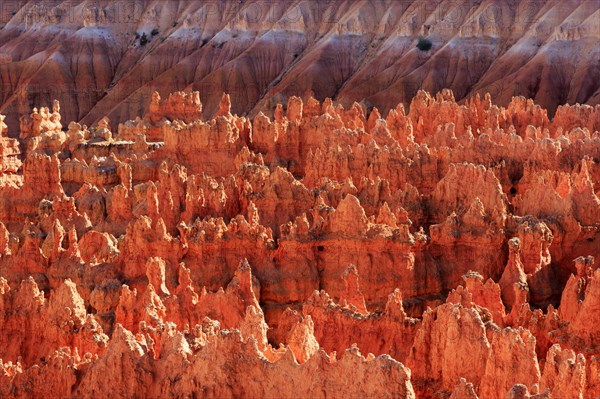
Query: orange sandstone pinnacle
(315,251)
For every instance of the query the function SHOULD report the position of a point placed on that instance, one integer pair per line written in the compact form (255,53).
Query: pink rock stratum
(363,238)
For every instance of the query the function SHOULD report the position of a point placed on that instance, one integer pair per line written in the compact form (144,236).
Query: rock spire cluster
(313,250)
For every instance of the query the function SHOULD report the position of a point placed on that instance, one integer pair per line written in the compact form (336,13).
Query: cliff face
(104,58)
(447,251)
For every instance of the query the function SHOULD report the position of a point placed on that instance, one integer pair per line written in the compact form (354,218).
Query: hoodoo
(250,199)
(418,264)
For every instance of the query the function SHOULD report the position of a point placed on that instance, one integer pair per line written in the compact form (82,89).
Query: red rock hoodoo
(322,252)
(154,243)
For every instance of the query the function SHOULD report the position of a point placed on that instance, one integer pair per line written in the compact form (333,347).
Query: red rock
(337,328)
(179,105)
(450,335)
(564,373)
(63,319)
(464,390)
(10,160)
(510,350)
(513,279)
(520,391)
(260,256)
(578,303)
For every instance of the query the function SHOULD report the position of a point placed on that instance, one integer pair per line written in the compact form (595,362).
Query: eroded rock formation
(318,251)
(105,58)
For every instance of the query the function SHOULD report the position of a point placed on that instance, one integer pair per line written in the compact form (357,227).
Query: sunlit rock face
(315,251)
(256,199)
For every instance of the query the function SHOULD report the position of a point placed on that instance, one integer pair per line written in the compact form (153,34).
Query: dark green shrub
(155,32)
(424,44)
(143,39)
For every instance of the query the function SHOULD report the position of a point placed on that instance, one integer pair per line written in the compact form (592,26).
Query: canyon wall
(105,58)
